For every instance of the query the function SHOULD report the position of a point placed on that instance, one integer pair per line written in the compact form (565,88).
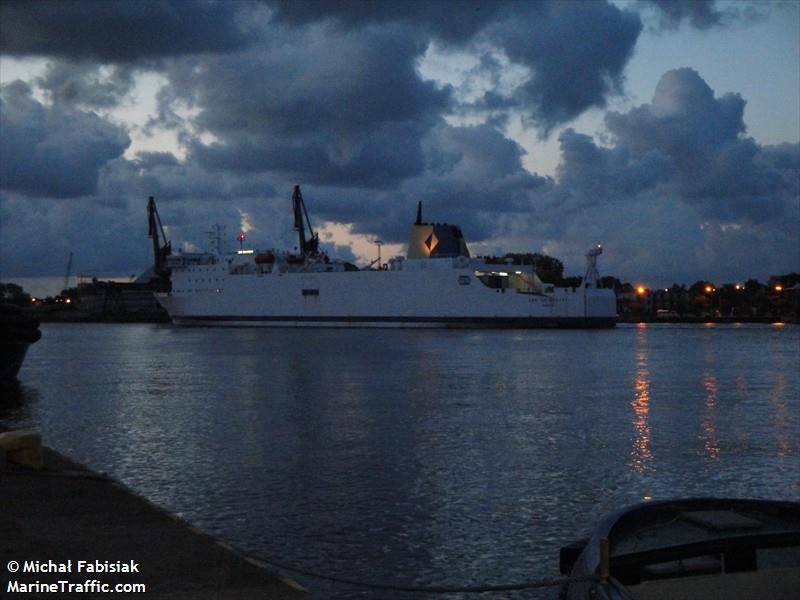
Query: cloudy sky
(669,131)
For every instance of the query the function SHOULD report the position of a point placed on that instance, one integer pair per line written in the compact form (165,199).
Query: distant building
(112,299)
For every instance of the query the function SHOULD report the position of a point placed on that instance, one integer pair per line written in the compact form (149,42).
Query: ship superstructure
(437,284)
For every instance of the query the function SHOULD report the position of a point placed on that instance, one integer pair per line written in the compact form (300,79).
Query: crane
(160,252)
(67,274)
(310,246)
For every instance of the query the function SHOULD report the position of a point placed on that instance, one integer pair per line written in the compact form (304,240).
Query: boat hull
(690,548)
(18,331)
(12,355)
(433,298)
(399,323)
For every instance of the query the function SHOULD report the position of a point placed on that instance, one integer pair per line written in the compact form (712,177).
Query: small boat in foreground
(18,330)
(699,548)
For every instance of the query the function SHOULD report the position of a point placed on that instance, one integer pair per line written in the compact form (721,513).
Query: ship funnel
(435,240)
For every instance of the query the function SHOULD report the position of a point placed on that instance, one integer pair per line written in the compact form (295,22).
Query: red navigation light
(241,236)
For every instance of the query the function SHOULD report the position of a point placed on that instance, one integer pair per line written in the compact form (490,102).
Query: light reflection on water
(709,434)
(641,454)
(434,456)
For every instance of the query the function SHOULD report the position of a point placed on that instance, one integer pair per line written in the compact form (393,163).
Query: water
(425,457)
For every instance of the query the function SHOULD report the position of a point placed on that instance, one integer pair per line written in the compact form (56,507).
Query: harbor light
(709,289)
(641,290)
(778,287)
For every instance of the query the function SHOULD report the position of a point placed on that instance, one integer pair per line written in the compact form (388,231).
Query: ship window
(310,292)
(493,279)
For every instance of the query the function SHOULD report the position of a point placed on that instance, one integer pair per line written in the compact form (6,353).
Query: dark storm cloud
(85,84)
(109,31)
(162,175)
(321,108)
(51,152)
(388,154)
(702,14)
(447,20)
(576,51)
(472,174)
(784,157)
(590,174)
(717,167)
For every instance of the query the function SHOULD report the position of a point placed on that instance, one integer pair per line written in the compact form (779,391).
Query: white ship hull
(404,298)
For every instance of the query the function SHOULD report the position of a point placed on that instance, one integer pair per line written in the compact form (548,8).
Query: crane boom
(67,274)
(160,252)
(310,246)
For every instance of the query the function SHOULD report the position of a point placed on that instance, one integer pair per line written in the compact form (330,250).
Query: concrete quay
(53,517)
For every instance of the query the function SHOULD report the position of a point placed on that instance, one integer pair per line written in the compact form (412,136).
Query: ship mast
(592,276)
(310,246)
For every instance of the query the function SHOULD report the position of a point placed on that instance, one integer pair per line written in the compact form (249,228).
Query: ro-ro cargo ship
(437,284)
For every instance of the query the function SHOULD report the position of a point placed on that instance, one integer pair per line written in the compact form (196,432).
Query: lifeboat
(265,258)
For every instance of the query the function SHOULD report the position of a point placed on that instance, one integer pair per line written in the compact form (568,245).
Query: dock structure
(55,516)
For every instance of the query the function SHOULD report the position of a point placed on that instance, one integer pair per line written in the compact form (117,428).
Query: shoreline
(65,513)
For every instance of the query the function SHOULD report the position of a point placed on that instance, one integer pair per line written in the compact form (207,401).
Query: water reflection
(782,418)
(641,454)
(17,403)
(709,435)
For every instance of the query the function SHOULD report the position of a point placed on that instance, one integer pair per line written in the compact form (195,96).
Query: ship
(437,284)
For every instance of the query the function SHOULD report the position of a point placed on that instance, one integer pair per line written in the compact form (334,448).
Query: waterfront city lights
(641,290)
(709,289)
(779,288)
